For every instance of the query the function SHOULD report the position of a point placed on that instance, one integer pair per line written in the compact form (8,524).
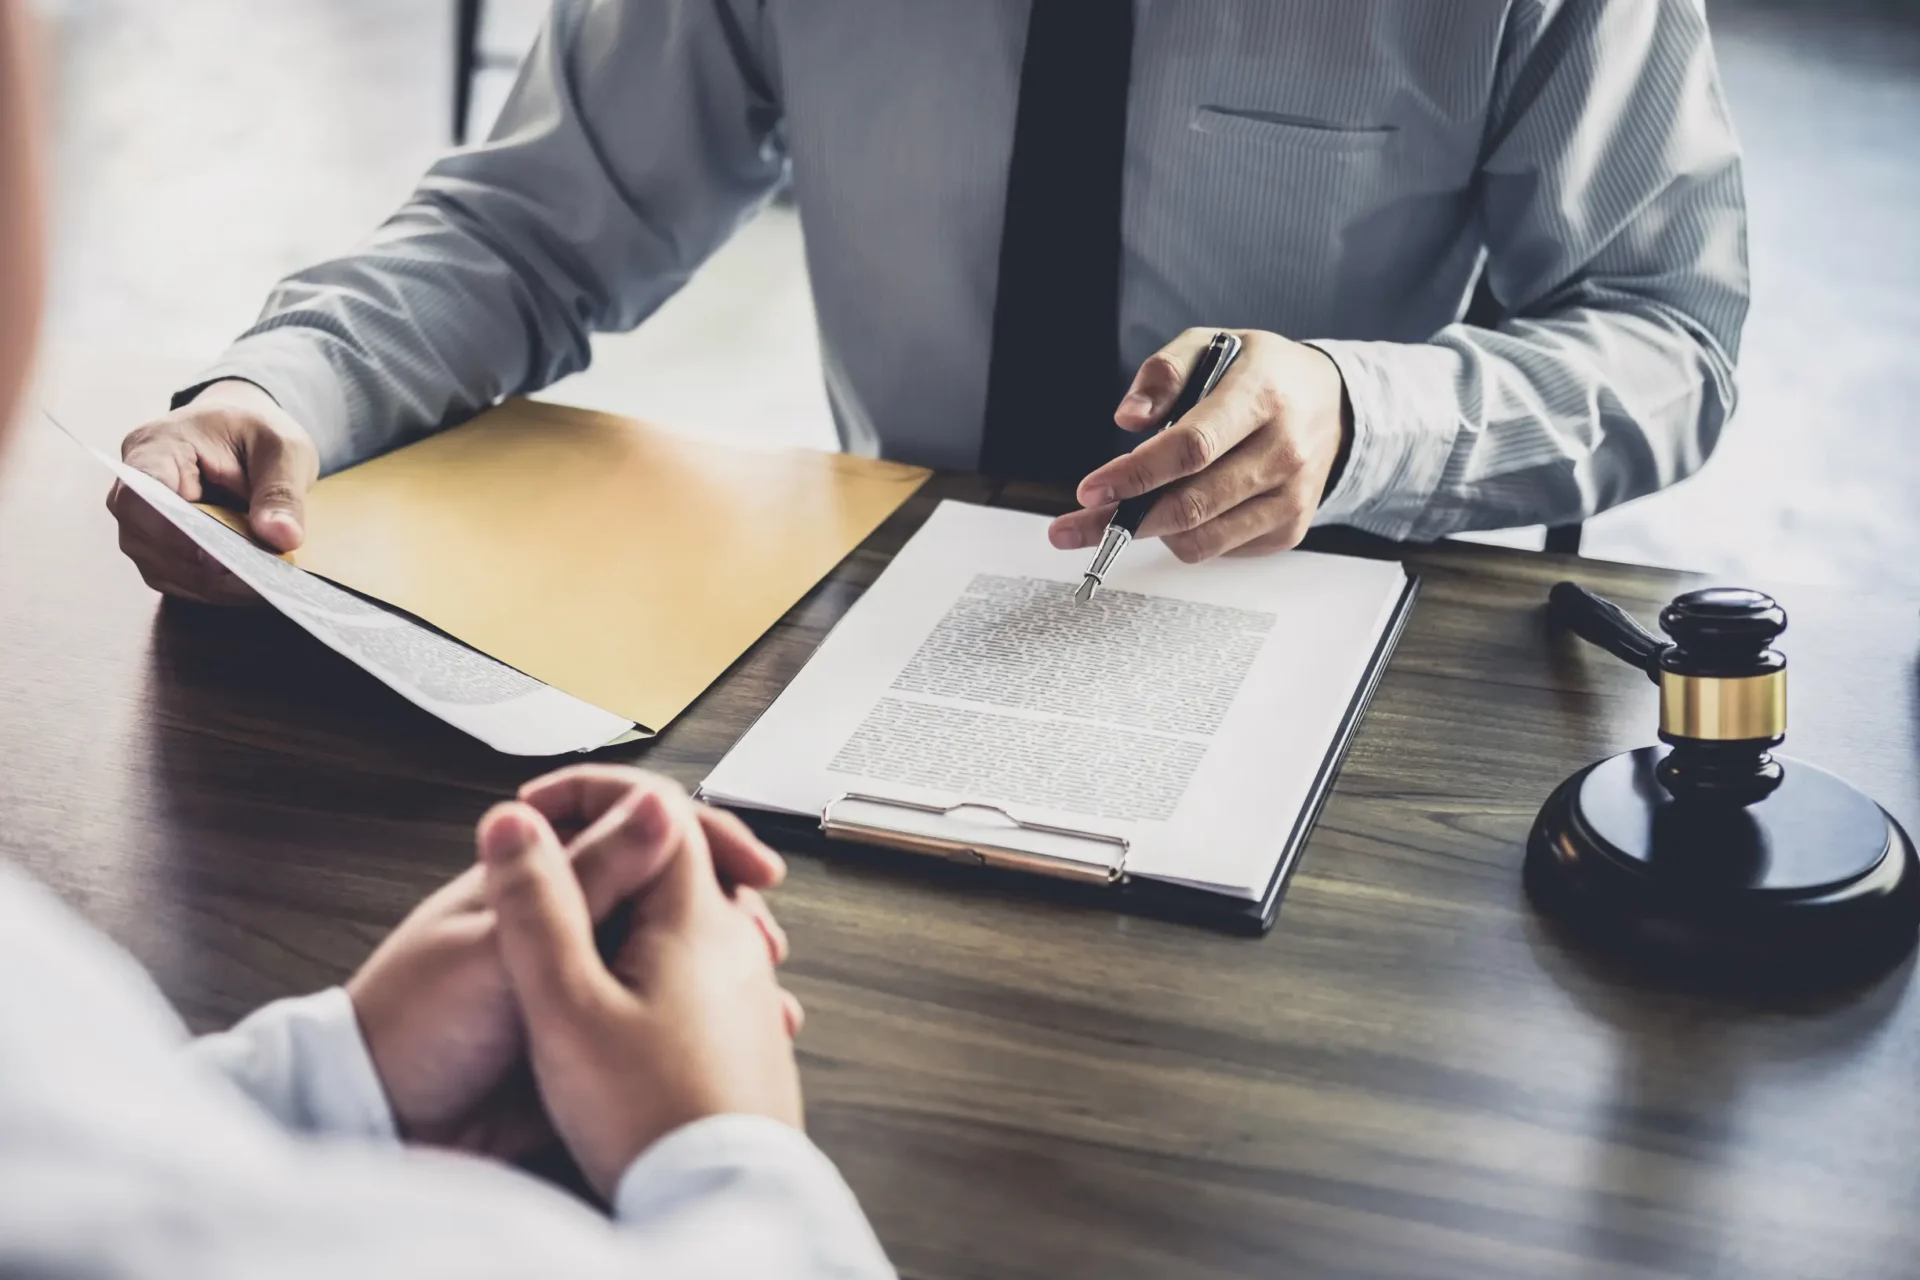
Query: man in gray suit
(1024,217)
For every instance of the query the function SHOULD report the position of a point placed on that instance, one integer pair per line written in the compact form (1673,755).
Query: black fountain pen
(1207,371)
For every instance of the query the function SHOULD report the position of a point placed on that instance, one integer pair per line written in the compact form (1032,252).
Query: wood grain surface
(1413,1075)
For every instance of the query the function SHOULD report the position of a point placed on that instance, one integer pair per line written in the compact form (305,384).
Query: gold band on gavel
(1723,710)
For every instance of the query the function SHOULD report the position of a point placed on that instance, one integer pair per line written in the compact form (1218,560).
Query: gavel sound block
(1712,849)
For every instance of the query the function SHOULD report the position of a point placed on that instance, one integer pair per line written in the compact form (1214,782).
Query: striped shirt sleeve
(1614,222)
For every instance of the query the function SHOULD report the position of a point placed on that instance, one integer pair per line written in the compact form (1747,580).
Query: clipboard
(963,861)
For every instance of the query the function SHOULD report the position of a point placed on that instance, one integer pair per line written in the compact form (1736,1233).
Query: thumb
(686,881)
(280,469)
(546,935)
(1155,387)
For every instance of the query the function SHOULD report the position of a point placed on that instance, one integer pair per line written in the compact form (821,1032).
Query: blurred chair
(468,61)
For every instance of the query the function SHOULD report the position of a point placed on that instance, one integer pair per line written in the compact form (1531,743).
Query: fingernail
(281,529)
(777,863)
(648,821)
(1067,539)
(1136,404)
(1098,497)
(506,834)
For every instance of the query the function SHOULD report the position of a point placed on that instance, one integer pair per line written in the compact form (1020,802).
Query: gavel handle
(1600,621)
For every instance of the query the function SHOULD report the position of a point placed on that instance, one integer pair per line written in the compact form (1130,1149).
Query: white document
(1186,710)
(504,708)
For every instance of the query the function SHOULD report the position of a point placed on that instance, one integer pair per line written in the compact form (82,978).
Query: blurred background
(206,147)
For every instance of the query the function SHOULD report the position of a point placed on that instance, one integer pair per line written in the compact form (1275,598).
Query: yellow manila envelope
(623,564)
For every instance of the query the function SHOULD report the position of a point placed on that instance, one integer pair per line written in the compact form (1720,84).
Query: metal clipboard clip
(974,850)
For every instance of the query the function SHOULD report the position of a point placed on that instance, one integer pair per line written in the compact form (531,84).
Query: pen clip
(1223,349)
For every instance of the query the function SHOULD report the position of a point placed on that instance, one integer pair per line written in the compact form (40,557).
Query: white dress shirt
(1342,172)
(269,1150)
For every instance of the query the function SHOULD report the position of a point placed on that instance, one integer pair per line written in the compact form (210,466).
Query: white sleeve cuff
(305,1063)
(1405,419)
(755,1190)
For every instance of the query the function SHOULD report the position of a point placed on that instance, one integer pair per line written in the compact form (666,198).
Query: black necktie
(1055,375)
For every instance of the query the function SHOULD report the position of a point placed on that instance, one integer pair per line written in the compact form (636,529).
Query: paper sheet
(505,709)
(620,562)
(1187,709)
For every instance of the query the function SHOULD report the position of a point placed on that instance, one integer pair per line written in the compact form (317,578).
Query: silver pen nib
(1111,545)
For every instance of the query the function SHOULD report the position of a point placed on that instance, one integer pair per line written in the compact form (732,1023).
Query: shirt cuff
(294,369)
(1405,418)
(778,1196)
(305,1063)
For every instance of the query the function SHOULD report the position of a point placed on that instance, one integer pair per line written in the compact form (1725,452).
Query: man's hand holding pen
(1244,471)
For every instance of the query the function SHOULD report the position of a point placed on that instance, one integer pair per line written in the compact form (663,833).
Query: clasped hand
(496,1019)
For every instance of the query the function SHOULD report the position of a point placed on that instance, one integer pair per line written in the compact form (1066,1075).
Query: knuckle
(1197,447)
(161,452)
(516,890)
(1287,455)
(277,493)
(141,549)
(1142,476)
(1161,368)
(683,818)
(1269,401)
(1194,507)
(145,436)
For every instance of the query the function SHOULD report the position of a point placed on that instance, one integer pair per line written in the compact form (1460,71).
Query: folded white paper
(504,708)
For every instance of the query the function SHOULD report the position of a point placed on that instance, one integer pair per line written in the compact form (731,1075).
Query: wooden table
(1410,1076)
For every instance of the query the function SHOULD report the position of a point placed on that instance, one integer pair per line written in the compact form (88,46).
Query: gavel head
(1723,695)
(1712,851)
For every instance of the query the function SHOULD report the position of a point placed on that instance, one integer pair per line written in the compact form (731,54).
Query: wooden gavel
(1712,847)
(1723,686)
